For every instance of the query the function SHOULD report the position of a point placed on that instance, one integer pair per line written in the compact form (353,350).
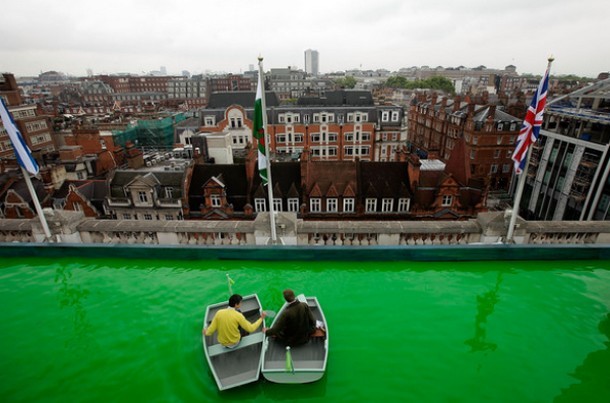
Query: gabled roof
(324,174)
(458,165)
(385,179)
(120,179)
(482,113)
(233,177)
(149,179)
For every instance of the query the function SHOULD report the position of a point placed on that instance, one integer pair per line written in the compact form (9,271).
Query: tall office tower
(311,62)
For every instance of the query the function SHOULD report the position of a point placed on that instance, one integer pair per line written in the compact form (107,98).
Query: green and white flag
(258,131)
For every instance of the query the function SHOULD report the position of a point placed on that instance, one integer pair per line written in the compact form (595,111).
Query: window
(494,168)
(315,205)
(277,204)
(387,205)
(148,216)
(215,200)
(403,205)
(497,154)
(331,205)
(371,205)
(505,168)
(126,216)
(169,192)
(447,200)
(209,121)
(395,116)
(143,197)
(169,217)
(260,205)
(348,205)
(385,116)
(293,204)
(473,154)
(235,122)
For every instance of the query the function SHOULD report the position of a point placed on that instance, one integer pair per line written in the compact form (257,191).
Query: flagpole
(24,157)
(267,146)
(517,201)
(521,181)
(43,220)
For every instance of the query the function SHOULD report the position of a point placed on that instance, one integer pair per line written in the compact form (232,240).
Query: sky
(139,36)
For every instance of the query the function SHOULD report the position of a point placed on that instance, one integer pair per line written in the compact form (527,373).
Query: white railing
(488,228)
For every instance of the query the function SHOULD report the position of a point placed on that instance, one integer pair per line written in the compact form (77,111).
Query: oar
(270,314)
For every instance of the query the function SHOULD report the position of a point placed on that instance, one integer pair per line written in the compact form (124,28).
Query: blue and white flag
(24,156)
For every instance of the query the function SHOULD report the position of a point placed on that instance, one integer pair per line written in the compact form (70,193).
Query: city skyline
(140,36)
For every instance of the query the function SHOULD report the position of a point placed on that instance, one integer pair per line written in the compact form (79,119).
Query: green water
(86,330)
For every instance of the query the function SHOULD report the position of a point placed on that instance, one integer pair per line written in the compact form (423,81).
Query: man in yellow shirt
(227,321)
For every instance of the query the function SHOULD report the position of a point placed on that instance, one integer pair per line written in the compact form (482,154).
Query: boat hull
(308,361)
(239,365)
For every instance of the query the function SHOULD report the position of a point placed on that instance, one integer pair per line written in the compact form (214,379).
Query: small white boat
(238,365)
(301,364)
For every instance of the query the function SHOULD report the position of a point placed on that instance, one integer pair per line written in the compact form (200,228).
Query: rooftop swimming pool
(85,327)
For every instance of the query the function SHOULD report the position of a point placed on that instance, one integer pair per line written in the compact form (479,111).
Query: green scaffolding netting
(158,133)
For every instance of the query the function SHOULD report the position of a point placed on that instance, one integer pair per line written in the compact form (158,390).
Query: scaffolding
(155,134)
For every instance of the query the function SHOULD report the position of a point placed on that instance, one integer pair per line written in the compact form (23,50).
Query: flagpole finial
(260,58)
(551,59)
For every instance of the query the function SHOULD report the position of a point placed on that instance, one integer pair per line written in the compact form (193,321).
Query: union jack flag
(530,130)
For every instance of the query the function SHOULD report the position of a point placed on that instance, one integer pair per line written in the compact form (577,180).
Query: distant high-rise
(311,62)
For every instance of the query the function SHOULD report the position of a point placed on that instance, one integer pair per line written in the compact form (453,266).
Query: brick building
(489,135)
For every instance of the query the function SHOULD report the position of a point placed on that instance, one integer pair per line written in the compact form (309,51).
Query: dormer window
(215,200)
(371,205)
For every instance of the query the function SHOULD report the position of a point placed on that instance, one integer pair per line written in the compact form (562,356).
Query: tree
(436,83)
(348,82)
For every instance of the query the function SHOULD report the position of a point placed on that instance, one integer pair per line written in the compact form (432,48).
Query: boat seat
(246,341)
(318,333)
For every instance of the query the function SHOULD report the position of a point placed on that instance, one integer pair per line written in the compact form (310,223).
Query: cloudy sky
(135,36)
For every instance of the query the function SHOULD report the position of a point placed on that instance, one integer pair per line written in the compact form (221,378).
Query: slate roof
(324,174)
(21,188)
(233,176)
(339,98)
(500,116)
(241,98)
(94,190)
(385,179)
(165,178)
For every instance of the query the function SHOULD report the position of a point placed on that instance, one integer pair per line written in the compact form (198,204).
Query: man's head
(289,295)
(235,300)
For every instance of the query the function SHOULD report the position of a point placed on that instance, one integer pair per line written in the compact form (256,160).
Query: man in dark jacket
(296,323)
